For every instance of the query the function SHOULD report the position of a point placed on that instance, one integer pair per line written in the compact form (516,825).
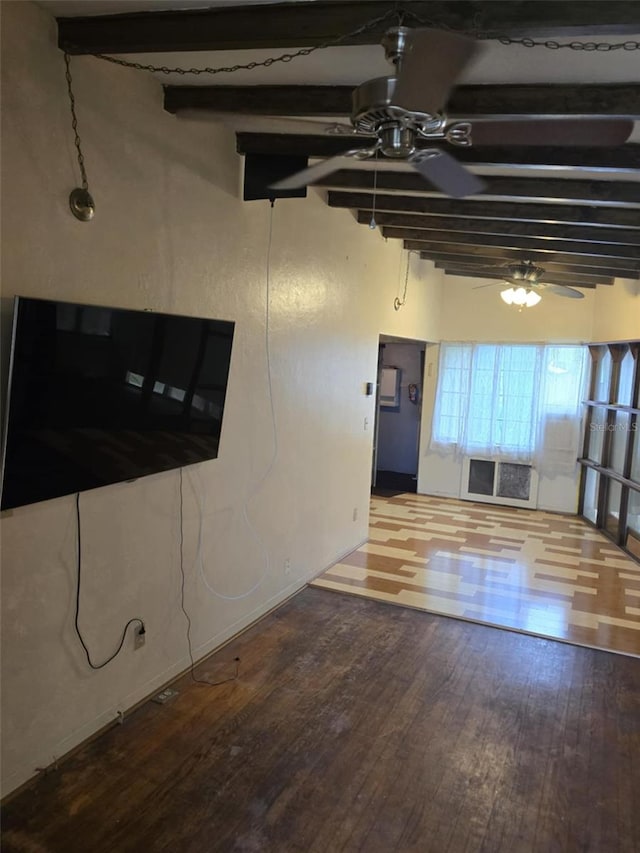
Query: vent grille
(514,481)
(491,481)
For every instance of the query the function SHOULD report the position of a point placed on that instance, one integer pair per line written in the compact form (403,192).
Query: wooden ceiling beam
(428,250)
(262,100)
(550,276)
(588,285)
(295,25)
(529,212)
(614,193)
(621,100)
(456,224)
(565,247)
(452,261)
(625,158)
(498,259)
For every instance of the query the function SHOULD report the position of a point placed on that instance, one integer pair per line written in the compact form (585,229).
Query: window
(513,402)
(453,391)
(610,488)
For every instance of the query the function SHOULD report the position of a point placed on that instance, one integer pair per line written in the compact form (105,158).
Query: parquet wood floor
(531,571)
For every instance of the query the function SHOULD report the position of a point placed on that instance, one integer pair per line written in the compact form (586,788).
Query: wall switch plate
(355,513)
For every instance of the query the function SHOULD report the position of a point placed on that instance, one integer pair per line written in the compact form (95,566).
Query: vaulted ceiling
(574,209)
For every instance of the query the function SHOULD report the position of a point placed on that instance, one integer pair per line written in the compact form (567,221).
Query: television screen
(102,395)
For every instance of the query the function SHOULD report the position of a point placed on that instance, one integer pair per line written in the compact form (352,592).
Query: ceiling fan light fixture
(521,297)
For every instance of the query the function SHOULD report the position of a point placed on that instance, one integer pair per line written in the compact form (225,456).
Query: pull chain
(398,303)
(80,201)
(372,223)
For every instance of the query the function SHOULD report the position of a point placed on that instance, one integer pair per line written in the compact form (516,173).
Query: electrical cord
(77,616)
(274,455)
(186,614)
(245,514)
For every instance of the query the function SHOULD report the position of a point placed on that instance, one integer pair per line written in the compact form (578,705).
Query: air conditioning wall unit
(495,482)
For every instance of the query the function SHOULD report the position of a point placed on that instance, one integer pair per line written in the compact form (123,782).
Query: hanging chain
(398,303)
(249,66)
(74,123)
(401,15)
(372,223)
(589,46)
(550,44)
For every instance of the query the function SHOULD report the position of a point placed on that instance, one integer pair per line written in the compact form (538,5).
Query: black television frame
(153,452)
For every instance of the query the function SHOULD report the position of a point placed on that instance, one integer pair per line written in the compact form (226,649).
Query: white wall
(617,311)
(171,234)
(470,314)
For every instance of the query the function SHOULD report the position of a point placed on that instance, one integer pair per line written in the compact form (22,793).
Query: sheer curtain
(563,384)
(512,402)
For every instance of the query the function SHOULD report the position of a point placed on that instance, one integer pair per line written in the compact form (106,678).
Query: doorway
(398,415)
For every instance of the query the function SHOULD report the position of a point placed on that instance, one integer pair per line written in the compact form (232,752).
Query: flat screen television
(104,395)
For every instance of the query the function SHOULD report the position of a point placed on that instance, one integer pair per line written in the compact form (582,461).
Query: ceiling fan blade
(267,123)
(320,170)
(445,173)
(563,290)
(432,62)
(588,132)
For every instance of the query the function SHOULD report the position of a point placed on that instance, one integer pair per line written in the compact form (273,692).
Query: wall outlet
(355,513)
(163,697)
(286,567)
(366,424)
(139,639)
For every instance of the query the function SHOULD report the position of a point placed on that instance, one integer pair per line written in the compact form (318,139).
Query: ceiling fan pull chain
(398,303)
(372,224)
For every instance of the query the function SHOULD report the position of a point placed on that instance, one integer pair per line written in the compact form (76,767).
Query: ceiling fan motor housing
(525,271)
(372,105)
(373,111)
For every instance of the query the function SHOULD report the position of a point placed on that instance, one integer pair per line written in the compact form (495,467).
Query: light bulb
(520,296)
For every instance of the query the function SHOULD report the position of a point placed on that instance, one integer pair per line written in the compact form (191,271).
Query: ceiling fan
(399,110)
(525,278)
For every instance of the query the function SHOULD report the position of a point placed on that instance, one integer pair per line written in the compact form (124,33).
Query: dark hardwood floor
(358,726)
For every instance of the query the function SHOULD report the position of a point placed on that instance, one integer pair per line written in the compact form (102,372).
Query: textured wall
(171,234)
(480,315)
(617,311)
